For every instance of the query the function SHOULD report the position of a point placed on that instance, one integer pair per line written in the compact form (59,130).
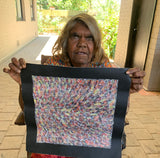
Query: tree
(42,4)
(107,15)
(81,5)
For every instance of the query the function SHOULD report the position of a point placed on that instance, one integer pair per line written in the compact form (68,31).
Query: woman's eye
(90,38)
(75,36)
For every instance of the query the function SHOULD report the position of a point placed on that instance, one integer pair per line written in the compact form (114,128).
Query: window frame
(20,13)
(32,10)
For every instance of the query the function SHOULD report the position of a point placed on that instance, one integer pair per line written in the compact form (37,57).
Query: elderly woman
(79,45)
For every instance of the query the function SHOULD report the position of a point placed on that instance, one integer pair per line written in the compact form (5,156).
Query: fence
(52,21)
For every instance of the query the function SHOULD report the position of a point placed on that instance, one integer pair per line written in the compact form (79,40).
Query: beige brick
(4,125)
(157,135)
(2,134)
(127,129)
(131,115)
(157,139)
(16,130)
(10,109)
(11,142)
(149,146)
(135,124)
(134,152)
(24,139)
(15,116)
(9,153)
(22,152)
(158,148)
(157,142)
(142,134)
(156,114)
(140,111)
(153,156)
(146,119)
(124,156)
(153,128)
(14,102)
(6,116)
(131,140)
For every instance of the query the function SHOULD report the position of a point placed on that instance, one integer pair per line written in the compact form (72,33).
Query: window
(20,10)
(32,9)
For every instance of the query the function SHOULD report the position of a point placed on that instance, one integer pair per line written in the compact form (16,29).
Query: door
(141,30)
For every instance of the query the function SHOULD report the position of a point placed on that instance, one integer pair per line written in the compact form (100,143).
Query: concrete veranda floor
(143,131)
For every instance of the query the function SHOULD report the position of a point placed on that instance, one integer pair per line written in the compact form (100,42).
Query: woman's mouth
(81,53)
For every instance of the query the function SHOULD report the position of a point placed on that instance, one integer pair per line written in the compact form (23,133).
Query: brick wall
(15,34)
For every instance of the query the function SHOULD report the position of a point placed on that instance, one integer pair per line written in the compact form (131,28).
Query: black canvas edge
(70,72)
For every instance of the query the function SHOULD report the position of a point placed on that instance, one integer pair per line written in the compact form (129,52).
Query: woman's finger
(15,62)
(6,70)
(135,72)
(138,74)
(22,63)
(132,70)
(14,68)
(137,80)
(137,87)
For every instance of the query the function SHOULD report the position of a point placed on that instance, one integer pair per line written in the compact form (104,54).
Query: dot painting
(76,112)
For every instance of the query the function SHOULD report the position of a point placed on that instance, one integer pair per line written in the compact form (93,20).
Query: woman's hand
(136,76)
(14,69)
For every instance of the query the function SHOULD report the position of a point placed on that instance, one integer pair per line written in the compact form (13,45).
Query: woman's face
(80,46)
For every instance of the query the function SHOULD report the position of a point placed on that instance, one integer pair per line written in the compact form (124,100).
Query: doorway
(141,27)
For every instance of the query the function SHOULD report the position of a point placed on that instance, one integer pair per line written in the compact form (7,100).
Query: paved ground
(143,131)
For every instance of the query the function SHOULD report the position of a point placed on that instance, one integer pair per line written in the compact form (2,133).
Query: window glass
(19,10)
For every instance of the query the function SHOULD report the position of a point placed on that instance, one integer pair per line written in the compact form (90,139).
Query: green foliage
(42,4)
(48,24)
(108,19)
(81,5)
(105,11)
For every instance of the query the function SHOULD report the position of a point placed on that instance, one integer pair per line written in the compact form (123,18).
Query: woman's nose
(82,42)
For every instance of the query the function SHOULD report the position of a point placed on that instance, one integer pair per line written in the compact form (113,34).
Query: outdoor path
(143,131)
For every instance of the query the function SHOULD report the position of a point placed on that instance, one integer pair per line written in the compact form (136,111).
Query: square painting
(75,114)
